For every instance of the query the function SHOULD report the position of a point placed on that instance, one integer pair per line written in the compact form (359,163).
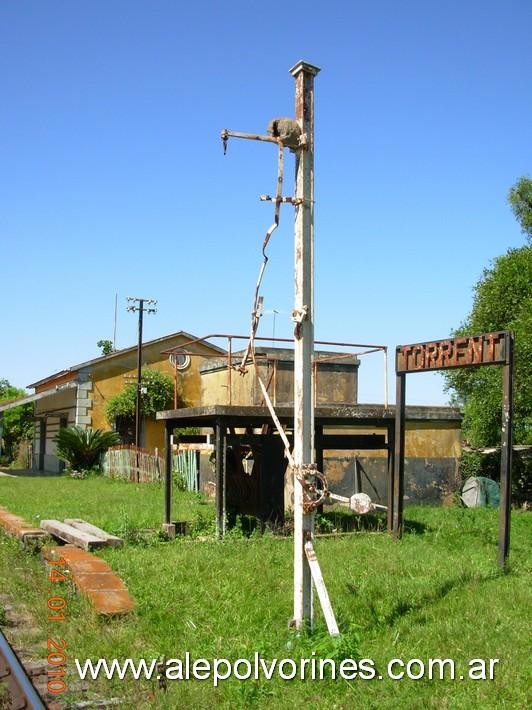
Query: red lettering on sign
(446,353)
(406,352)
(419,357)
(432,354)
(492,339)
(475,350)
(460,352)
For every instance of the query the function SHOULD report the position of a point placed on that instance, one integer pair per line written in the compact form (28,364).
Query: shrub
(157,394)
(81,448)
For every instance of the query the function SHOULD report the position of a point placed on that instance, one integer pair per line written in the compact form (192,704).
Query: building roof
(337,414)
(118,353)
(35,397)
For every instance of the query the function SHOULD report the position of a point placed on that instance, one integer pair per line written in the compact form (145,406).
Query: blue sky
(113,179)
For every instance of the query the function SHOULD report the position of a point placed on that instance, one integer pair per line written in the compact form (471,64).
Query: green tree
(502,300)
(17,423)
(157,394)
(520,199)
(106,346)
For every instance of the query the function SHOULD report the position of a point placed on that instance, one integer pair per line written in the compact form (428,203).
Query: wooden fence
(133,464)
(137,465)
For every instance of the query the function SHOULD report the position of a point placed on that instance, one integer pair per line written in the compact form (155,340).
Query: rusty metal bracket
(303,141)
(298,316)
(289,200)
(313,497)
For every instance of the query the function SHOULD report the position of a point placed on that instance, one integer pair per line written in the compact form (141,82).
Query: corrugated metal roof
(34,397)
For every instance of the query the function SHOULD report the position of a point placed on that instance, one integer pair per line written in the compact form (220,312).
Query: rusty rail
(12,673)
(371,348)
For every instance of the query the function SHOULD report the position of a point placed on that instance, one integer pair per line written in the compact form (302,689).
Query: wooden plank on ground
(27,534)
(90,529)
(70,534)
(94,578)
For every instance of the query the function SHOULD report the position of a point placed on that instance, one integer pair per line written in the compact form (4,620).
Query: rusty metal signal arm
(285,133)
(280,130)
(226,134)
(298,135)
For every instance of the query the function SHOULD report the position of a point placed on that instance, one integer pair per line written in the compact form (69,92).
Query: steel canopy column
(320,463)
(506,454)
(303,316)
(390,443)
(399,456)
(220,477)
(168,474)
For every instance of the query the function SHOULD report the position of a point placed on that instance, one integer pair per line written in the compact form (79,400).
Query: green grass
(114,505)
(436,594)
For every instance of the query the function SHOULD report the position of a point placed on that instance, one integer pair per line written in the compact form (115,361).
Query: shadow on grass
(347,521)
(414,527)
(28,473)
(440,591)
(332,521)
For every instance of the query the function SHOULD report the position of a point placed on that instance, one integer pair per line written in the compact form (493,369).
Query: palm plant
(81,448)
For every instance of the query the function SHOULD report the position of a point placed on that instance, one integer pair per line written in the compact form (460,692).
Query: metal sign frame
(473,351)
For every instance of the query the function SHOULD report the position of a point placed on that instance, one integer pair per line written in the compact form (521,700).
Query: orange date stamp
(57,606)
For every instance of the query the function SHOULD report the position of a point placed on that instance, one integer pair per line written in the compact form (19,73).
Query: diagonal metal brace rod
(321,589)
(347,501)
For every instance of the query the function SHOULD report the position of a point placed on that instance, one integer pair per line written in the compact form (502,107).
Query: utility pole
(273,329)
(303,316)
(114,329)
(151,303)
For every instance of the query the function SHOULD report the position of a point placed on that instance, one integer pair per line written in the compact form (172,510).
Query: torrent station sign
(485,349)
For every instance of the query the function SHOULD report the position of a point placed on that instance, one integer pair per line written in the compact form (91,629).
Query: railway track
(20,689)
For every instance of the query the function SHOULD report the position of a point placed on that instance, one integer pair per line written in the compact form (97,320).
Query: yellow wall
(110,376)
(433,440)
(332,387)
(154,435)
(429,439)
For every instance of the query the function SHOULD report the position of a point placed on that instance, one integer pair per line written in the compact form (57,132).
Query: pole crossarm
(150,302)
